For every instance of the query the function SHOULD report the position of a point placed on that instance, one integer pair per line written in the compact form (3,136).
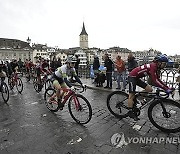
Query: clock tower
(83,38)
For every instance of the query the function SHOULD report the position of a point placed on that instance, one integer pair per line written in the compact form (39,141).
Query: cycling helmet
(163,58)
(71,59)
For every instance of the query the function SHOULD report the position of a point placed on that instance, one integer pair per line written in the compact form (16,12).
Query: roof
(83,32)
(13,43)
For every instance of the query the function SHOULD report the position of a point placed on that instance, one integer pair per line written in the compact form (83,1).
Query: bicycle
(14,80)
(163,113)
(45,81)
(78,105)
(30,75)
(4,90)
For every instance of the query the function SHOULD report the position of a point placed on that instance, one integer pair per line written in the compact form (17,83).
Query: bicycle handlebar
(76,89)
(81,91)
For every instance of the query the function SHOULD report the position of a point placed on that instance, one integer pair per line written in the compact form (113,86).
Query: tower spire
(83,32)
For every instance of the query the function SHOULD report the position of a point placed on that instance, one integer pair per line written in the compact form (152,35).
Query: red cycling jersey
(151,70)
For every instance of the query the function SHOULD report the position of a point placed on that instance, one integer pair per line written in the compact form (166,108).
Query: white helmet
(71,59)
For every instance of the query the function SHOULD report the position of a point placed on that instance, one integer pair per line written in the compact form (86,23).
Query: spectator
(96,66)
(132,63)
(121,72)
(109,68)
(77,64)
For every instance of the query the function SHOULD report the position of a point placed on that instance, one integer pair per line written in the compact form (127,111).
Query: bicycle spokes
(165,115)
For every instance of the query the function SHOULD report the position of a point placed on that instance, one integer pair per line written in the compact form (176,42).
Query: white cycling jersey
(64,71)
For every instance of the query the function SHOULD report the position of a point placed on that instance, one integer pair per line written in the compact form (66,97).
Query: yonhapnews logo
(119,140)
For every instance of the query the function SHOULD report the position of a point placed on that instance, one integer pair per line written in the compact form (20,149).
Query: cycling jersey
(150,70)
(64,71)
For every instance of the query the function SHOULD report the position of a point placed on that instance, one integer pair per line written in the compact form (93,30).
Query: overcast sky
(132,24)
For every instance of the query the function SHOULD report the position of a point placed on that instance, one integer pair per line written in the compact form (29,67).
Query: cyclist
(38,73)
(152,69)
(59,78)
(2,70)
(27,66)
(45,68)
(14,66)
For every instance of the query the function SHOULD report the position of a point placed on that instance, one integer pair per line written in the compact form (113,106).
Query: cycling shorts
(135,81)
(58,81)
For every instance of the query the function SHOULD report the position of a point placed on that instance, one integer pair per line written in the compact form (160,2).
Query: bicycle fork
(165,113)
(77,104)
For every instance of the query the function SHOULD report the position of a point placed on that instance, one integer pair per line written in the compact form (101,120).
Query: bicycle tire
(4,89)
(170,111)
(80,109)
(47,94)
(36,85)
(19,83)
(11,86)
(115,100)
(28,77)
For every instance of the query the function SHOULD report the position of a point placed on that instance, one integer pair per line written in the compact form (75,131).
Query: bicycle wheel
(117,102)
(167,119)
(5,92)
(28,77)
(52,105)
(36,86)
(10,83)
(19,85)
(80,109)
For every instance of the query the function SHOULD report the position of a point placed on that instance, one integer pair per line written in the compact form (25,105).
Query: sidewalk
(89,83)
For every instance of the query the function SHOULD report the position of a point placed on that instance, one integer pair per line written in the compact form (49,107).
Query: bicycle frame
(68,95)
(13,78)
(152,95)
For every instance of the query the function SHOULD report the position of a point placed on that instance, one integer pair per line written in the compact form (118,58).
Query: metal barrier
(168,75)
(84,72)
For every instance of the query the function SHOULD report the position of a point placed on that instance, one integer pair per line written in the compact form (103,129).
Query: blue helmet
(163,58)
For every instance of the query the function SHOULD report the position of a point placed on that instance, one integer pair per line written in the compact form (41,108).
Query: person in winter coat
(77,64)
(121,72)
(96,64)
(132,63)
(109,68)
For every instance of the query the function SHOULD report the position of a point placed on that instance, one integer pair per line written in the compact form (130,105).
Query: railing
(168,75)
(84,72)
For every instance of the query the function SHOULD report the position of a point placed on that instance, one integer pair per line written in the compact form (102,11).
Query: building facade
(15,49)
